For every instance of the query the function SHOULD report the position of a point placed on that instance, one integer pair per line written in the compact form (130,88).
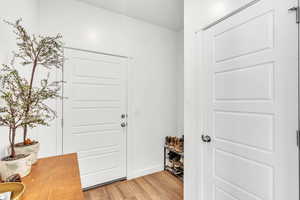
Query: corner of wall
(143,172)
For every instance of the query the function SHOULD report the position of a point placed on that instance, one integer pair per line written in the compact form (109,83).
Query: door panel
(251,125)
(249,41)
(96,91)
(251,82)
(249,175)
(234,84)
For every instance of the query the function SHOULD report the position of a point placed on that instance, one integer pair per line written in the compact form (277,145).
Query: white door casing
(96,97)
(250,72)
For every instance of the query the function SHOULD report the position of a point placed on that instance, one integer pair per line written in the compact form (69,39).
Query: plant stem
(29,96)
(24,133)
(12,144)
(9,134)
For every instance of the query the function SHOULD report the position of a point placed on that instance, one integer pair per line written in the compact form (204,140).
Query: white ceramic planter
(32,150)
(21,166)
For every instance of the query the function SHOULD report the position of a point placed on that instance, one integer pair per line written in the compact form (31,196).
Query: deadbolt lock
(123,116)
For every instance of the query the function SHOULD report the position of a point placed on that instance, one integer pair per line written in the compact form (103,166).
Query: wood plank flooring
(158,186)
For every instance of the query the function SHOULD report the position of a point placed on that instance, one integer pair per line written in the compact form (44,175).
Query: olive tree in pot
(33,53)
(12,87)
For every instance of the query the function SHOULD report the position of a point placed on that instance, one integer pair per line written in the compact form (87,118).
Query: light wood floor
(158,186)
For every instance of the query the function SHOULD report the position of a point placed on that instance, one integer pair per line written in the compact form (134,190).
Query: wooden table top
(54,178)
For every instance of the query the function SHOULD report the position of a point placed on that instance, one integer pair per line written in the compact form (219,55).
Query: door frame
(298,131)
(60,110)
(199,148)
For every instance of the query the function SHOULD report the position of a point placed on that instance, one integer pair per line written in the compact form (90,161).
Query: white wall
(197,14)
(153,70)
(180,83)
(156,76)
(12,10)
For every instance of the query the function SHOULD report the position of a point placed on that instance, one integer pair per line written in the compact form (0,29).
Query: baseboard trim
(144,172)
(103,184)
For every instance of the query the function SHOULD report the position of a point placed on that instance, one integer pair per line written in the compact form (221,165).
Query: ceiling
(166,13)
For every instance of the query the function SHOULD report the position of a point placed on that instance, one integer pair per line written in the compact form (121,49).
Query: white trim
(97,52)
(229,15)
(130,131)
(146,171)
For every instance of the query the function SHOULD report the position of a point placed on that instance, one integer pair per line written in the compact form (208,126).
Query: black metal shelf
(171,170)
(176,172)
(174,151)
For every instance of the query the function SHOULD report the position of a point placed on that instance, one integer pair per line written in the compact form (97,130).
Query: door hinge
(298,138)
(297,10)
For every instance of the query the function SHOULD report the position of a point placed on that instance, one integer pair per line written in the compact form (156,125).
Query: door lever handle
(293,8)
(206,138)
(296,9)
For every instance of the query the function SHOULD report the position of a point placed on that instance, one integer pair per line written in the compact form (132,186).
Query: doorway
(95,115)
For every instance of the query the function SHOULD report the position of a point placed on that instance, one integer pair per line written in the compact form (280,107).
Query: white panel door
(251,81)
(96,91)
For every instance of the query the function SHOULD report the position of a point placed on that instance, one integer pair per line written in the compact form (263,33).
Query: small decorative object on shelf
(174,156)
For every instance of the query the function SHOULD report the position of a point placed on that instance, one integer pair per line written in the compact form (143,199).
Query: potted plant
(11,115)
(35,52)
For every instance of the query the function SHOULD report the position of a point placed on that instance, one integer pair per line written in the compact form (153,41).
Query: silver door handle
(206,138)
(124,124)
(296,9)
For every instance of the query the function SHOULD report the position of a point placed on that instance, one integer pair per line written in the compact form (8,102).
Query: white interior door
(96,91)
(251,81)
